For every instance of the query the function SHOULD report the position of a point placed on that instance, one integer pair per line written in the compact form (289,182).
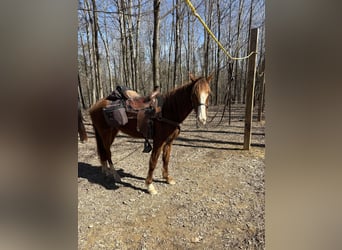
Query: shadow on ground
(94,175)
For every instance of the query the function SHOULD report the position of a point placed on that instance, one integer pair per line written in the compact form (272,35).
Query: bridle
(202,104)
(195,107)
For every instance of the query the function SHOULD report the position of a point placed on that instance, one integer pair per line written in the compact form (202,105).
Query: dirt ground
(218,201)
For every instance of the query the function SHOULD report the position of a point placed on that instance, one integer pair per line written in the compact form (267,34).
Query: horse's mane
(183,89)
(178,89)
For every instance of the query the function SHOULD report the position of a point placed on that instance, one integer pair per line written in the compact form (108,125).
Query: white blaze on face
(201,110)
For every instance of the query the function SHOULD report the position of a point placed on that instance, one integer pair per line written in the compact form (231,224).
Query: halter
(206,105)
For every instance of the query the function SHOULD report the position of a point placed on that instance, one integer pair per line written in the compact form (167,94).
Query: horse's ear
(192,77)
(210,77)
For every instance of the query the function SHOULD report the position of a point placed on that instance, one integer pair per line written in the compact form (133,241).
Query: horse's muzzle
(202,114)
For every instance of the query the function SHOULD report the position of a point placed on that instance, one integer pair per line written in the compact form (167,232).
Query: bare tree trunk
(86,71)
(176,60)
(230,78)
(124,43)
(80,91)
(111,84)
(217,97)
(137,67)
(208,10)
(248,37)
(156,45)
(91,57)
(126,53)
(188,54)
(81,128)
(169,75)
(105,44)
(230,65)
(131,54)
(96,50)
(191,45)
(237,89)
(122,64)
(180,28)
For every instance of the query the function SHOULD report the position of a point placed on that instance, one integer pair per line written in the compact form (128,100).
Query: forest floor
(218,201)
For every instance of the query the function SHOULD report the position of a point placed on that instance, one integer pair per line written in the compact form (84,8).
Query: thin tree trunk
(107,58)
(175,63)
(230,65)
(81,128)
(80,91)
(218,53)
(96,50)
(86,71)
(111,84)
(188,55)
(169,75)
(208,10)
(248,37)
(124,44)
(237,89)
(137,67)
(131,45)
(91,56)
(126,52)
(181,25)
(122,63)
(156,45)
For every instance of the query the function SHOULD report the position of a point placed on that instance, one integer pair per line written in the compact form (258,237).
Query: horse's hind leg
(101,149)
(166,158)
(107,144)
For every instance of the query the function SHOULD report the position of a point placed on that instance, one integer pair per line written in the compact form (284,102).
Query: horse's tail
(101,151)
(94,116)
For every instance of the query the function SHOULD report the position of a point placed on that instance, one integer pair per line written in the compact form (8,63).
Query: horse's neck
(178,105)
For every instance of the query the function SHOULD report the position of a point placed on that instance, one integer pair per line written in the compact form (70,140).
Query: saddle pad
(115,114)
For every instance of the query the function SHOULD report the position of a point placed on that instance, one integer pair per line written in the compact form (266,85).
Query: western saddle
(143,108)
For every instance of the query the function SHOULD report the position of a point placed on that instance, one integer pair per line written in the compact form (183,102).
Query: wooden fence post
(253,44)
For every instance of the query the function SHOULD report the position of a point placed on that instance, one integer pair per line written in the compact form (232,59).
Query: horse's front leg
(152,165)
(166,158)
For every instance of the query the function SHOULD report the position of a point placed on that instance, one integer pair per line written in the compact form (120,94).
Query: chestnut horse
(178,104)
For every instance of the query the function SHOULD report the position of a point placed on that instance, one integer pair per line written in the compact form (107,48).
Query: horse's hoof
(106,172)
(116,176)
(171,182)
(151,189)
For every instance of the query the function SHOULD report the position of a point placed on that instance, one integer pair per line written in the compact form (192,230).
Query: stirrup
(147,146)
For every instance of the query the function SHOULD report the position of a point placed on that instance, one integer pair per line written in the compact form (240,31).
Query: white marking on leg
(171,181)
(151,189)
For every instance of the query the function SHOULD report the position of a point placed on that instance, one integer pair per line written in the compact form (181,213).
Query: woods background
(142,43)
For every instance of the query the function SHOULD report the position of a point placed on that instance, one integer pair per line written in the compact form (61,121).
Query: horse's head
(200,97)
